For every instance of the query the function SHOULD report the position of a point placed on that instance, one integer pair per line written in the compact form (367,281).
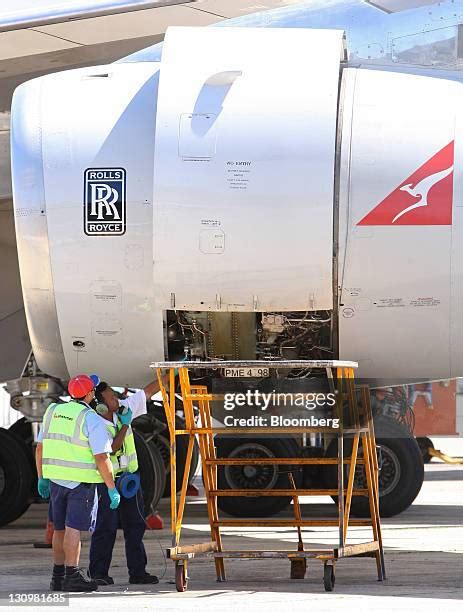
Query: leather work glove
(114,497)
(126,418)
(43,486)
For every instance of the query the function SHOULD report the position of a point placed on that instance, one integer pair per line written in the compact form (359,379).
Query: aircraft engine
(241,198)
(88,288)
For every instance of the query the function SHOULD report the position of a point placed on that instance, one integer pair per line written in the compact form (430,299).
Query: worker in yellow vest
(72,457)
(130,512)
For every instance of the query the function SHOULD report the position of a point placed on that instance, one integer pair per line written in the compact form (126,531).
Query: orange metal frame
(354,412)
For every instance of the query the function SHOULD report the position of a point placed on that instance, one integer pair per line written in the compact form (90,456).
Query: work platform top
(290,364)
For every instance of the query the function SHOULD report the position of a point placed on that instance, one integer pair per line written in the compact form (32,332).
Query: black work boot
(56,582)
(143,579)
(76,582)
(103,580)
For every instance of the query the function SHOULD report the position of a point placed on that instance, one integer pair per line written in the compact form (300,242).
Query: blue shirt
(98,438)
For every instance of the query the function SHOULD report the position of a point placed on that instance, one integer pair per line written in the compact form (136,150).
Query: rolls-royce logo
(104,201)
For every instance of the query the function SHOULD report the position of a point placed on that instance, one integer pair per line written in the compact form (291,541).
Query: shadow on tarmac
(412,573)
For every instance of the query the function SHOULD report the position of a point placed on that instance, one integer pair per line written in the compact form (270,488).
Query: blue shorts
(76,508)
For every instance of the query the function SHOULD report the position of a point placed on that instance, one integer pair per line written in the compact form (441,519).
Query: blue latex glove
(126,418)
(43,486)
(176,369)
(115,498)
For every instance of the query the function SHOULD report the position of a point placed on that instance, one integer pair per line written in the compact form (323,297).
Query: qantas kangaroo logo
(424,198)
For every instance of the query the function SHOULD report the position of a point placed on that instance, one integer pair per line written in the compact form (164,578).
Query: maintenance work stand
(352,408)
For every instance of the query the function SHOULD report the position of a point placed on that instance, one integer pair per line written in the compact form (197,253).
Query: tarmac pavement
(423,552)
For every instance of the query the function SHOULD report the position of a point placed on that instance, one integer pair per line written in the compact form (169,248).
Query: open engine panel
(259,335)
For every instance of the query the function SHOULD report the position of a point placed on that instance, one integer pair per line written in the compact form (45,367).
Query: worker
(72,456)
(131,510)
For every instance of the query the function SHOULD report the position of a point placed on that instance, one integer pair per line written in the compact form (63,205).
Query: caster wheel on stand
(181,577)
(328,577)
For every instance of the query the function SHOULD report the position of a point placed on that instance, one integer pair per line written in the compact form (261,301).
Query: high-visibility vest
(125,458)
(66,453)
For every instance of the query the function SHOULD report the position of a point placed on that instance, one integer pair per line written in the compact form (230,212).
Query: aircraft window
(396,6)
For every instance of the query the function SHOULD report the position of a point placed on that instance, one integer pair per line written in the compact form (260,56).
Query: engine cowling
(250,177)
(89,298)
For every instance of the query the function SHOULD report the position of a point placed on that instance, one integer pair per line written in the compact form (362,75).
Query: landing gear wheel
(256,476)
(401,469)
(181,577)
(151,427)
(328,577)
(15,478)
(425,444)
(146,468)
(22,431)
(159,473)
(163,443)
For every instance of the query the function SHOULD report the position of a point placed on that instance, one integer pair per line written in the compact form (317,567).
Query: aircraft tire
(271,476)
(160,473)
(147,469)
(22,431)
(163,443)
(401,475)
(15,478)
(425,444)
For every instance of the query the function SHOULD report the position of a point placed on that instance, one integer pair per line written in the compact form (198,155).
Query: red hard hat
(80,385)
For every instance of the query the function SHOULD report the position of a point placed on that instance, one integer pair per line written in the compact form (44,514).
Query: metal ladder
(352,407)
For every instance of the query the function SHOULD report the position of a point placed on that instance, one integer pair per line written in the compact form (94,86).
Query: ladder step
(279,492)
(279,461)
(272,554)
(267,430)
(357,549)
(353,522)
(192,548)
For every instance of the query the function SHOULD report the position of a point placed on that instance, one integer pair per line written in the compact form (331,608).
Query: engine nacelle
(89,298)
(259,174)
